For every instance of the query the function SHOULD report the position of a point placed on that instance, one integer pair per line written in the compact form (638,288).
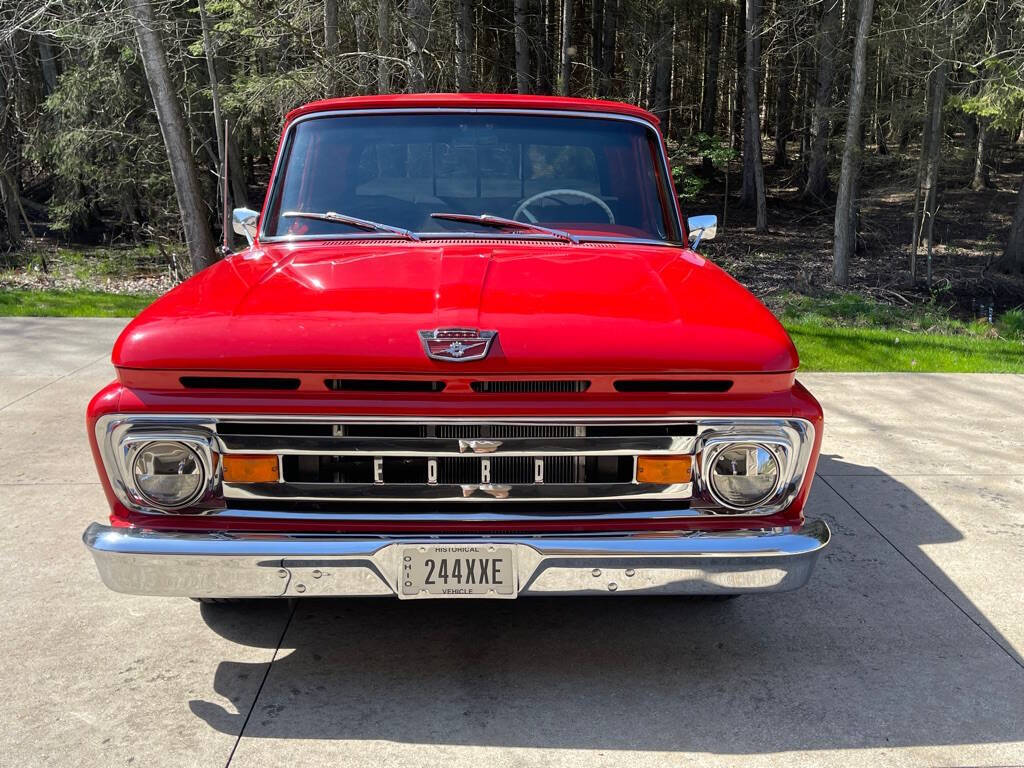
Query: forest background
(865,157)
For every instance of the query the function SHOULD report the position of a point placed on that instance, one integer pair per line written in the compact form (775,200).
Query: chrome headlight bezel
(121,441)
(791,443)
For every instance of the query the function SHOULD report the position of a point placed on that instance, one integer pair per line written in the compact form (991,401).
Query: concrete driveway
(905,649)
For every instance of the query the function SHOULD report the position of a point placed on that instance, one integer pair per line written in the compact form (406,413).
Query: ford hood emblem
(457,345)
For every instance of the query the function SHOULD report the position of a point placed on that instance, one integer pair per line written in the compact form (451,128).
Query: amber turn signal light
(663,470)
(256,468)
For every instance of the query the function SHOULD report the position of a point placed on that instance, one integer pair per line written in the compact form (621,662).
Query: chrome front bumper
(145,562)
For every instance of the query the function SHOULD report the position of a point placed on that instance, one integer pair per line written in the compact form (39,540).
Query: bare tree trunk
(565,56)
(236,173)
(362,46)
(934,158)
(662,63)
(543,34)
(712,55)
(608,33)
(817,170)
(752,123)
(1013,257)
(172,127)
(981,178)
(211,71)
(383,46)
(522,47)
(845,237)
(10,227)
(331,28)
(804,95)
(464,44)
(741,67)
(238,188)
(417,23)
(47,63)
(783,110)
(876,120)
(922,162)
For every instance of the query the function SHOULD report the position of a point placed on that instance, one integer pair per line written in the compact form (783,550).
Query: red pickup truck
(470,351)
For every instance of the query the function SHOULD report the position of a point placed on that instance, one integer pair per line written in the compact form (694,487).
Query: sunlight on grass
(851,310)
(71,304)
(865,349)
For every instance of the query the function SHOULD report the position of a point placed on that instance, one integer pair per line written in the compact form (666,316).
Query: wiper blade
(352,221)
(499,222)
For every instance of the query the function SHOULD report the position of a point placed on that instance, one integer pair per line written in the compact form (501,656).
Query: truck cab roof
(472,101)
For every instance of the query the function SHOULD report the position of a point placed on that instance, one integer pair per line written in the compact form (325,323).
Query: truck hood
(358,306)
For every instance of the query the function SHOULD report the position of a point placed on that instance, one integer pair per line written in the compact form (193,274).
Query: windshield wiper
(499,222)
(352,221)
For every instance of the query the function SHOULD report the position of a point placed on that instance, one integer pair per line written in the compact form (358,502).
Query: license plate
(458,570)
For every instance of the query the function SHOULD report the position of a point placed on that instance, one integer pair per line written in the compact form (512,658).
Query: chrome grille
(409,461)
(349,459)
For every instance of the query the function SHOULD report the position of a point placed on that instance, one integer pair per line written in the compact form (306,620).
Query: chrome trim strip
(466,514)
(453,447)
(674,212)
(143,562)
(483,491)
(427,418)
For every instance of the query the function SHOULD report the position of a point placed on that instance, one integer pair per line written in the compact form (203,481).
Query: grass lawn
(841,333)
(71,303)
(850,332)
(870,349)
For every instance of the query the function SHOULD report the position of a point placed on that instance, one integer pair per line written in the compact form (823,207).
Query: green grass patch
(851,332)
(89,262)
(71,303)
(825,348)
(851,310)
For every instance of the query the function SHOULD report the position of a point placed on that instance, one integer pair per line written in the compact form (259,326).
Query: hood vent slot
(384,385)
(521,387)
(238,382)
(659,385)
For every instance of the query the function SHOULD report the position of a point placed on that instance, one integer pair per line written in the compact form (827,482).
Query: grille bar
(457,446)
(463,492)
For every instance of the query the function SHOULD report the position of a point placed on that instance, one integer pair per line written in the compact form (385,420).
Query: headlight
(168,474)
(743,475)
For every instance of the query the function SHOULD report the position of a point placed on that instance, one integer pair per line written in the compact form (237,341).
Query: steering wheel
(524,207)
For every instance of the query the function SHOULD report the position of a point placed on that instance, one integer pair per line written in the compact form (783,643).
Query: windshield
(591,176)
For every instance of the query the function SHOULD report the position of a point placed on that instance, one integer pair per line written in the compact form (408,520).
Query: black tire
(714,598)
(215,600)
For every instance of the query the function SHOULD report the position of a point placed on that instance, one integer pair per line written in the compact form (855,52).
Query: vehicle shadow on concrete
(869,654)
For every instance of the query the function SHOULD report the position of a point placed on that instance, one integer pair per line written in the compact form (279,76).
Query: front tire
(215,600)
